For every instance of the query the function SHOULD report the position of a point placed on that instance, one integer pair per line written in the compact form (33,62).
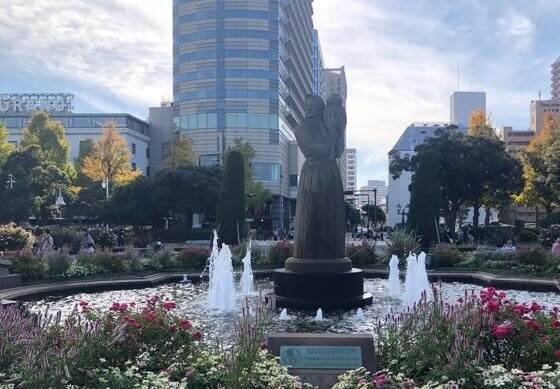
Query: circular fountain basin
(191,302)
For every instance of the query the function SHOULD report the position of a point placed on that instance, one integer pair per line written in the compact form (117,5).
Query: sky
(403,58)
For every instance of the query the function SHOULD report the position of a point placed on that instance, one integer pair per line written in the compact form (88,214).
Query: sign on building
(30,102)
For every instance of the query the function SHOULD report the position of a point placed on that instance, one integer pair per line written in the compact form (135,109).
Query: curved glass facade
(241,69)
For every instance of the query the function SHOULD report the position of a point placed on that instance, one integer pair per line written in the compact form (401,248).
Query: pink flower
(173,328)
(380,379)
(185,324)
(557,354)
(501,294)
(197,335)
(169,305)
(83,303)
(535,307)
(149,315)
(502,330)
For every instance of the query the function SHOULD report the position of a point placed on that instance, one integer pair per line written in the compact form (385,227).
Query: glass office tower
(241,69)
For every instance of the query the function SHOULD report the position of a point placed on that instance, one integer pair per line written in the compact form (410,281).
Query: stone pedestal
(328,284)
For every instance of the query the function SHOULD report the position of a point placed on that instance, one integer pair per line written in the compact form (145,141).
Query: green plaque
(321,357)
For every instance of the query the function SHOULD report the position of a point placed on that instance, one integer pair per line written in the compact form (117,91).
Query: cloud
(517,27)
(120,47)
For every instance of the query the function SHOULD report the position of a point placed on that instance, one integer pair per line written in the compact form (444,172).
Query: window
(80,122)
(293,179)
(273,137)
(266,171)
(133,148)
(209,160)
(133,166)
(147,153)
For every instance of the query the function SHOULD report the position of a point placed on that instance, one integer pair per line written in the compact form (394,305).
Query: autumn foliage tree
(5,147)
(480,124)
(109,158)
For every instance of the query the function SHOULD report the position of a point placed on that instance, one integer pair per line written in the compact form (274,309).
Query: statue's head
(334,115)
(314,106)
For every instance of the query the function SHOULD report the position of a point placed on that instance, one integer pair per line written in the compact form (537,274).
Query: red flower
(520,309)
(493,306)
(169,305)
(487,294)
(83,303)
(197,335)
(149,315)
(119,307)
(380,379)
(555,323)
(502,330)
(501,294)
(131,321)
(533,324)
(185,324)
(557,354)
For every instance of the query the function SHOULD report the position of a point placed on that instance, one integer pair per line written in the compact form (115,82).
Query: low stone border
(471,277)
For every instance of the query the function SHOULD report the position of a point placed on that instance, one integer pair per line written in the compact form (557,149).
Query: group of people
(45,243)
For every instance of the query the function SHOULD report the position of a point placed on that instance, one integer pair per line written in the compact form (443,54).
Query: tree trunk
(451,218)
(487,216)
(476,215)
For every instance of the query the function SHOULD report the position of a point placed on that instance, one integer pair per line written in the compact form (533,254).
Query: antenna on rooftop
(458,76)
(539,95)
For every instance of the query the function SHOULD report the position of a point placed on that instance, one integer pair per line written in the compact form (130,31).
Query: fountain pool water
(284,315)
(247,276)
(394,282)
(410,285)
(221,285)
(192,300)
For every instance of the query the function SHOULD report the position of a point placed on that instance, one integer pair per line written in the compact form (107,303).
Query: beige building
(336,82)
(515,142)
(539,108)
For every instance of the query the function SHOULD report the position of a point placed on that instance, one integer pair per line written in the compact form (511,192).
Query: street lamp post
(105,185)
(10,181)
(403,212)
(59,203)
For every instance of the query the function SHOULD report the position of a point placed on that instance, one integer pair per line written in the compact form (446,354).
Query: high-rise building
(380,196)
(350,169)
(398,194)
(539,108)
(516,140)
(555,81)
(241,69)
(336,82)
(163,133)
(463,104)
(319,76)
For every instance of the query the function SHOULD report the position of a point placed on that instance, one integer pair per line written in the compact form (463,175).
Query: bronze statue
(320,216)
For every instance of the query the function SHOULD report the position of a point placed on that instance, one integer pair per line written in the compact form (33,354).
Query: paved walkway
(132,282)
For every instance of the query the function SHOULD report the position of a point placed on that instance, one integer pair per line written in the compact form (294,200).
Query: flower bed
(480,341)
(128,346)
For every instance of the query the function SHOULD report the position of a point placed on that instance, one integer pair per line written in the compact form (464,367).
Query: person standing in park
(88,245)
(46,243)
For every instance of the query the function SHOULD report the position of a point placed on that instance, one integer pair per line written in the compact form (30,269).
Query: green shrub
(30,267)
(57,263)
(15,238)
(279,252)
(192,257)
(483,256)
(142,236)
(162,260)
(82,268)
(548,236)
(362,254)
(495,235)
(527,235)
(401,243)
(259,255)
(550,219)
(446,255)
(103,238)
(67,237)
(536,256)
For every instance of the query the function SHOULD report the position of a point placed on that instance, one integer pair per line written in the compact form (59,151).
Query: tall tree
(425,199)
(257,193)
(181,153)
(374,212)
(539,190)
(109,158)
(231,210)
(50,136)
(5,147)
(135,203)
(353,217)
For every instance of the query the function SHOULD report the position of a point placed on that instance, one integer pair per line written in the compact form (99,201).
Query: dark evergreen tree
(425,199)
(231,210)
